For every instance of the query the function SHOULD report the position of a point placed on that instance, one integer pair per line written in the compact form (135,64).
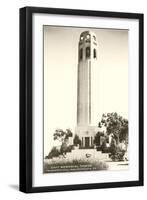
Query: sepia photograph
(85,99)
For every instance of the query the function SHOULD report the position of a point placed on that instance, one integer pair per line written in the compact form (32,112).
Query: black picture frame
(26,97)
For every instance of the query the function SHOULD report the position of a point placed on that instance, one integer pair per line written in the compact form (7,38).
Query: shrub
(54,153)
(69,148)
(104,147)
(77,140)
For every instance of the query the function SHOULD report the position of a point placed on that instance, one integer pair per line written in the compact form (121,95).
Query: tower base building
(87,135)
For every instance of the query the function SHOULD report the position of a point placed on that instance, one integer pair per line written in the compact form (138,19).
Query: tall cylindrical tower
(86,62)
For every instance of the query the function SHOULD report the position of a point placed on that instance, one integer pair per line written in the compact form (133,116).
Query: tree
(115,124)
(62,136)
(124,133)
(77,140)
(97,138)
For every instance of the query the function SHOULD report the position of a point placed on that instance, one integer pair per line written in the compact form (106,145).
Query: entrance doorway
(87,142)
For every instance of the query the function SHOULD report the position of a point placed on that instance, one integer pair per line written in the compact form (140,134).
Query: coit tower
(87,61)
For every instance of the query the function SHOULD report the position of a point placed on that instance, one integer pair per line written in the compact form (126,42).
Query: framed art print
(81,99)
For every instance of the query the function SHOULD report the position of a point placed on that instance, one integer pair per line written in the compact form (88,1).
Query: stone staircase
(87,154)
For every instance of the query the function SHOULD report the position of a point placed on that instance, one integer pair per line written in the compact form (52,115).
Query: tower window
(81,54)
(94,53)
(88,36)
(87,52)
(81,38)
(94,37)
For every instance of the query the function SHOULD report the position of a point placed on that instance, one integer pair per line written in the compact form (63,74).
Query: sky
(60,77)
